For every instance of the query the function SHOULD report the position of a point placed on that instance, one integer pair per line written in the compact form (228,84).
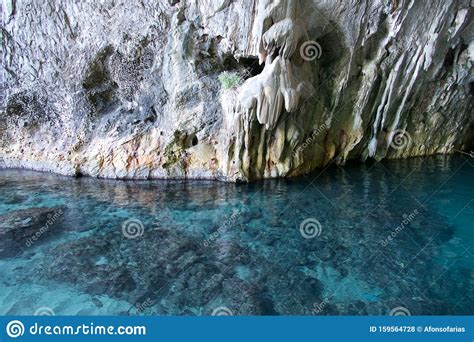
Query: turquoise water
(314,245)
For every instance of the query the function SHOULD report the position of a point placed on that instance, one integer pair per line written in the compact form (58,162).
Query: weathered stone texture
(128,89)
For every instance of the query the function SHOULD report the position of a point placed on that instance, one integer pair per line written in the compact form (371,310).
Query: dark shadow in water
(207,245)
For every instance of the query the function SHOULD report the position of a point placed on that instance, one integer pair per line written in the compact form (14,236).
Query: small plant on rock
(230,80)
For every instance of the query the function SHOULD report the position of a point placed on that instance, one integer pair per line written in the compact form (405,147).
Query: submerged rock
(24,228)
(131,90)
(242,247)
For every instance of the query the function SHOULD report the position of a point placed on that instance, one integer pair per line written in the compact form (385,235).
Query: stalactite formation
(126,90)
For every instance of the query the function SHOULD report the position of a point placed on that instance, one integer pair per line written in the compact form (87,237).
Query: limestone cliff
(128,89)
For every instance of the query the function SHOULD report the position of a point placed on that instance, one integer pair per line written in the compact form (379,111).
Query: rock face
(125,89)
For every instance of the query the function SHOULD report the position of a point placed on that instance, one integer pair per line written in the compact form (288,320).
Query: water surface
(76,246)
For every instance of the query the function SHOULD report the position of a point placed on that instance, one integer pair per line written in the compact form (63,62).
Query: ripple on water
(198,246)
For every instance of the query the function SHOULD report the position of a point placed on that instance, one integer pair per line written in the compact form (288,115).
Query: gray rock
(124,89)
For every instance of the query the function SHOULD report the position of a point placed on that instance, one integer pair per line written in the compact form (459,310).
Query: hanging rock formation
(121,89)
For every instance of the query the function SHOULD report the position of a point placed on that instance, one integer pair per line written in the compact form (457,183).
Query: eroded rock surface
(123,89)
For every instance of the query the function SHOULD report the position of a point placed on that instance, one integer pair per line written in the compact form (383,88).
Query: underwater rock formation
(24,228)
(131,90)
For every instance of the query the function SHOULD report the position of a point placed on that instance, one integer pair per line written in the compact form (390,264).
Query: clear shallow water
(210,245)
